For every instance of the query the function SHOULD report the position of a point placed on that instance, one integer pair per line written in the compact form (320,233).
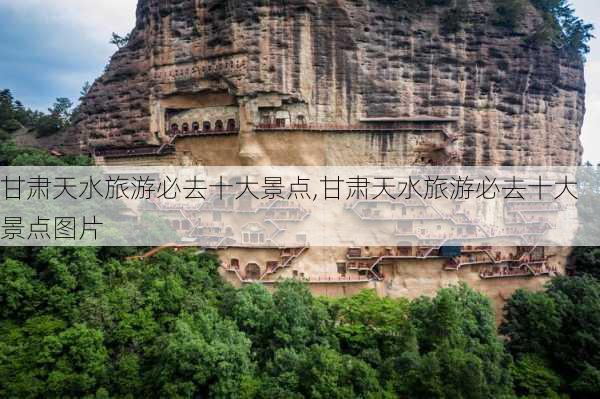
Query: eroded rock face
(341,61)
(226,69)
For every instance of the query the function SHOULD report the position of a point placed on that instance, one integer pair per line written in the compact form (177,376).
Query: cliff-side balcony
(505,272)
(200,133)
(134,151)
(323,279)
(534,269)
(349,128)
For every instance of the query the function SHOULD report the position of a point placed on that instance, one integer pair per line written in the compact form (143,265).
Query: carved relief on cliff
(204,69)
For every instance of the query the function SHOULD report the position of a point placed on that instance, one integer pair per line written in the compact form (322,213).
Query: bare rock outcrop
(343,60)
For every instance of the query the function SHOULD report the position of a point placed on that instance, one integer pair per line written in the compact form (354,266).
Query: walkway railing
(196,133)
(325,127)
(524,270)
(134,151)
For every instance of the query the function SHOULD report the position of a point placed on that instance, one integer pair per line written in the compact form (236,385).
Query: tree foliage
(458,342)
(85,322)
(120,41)
(534,379)
(13,155)
(560,26)
(14,116)
(561,327)
(57,119)
(75,325)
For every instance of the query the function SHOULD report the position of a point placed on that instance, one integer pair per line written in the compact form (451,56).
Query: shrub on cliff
(560,25)
(509,13)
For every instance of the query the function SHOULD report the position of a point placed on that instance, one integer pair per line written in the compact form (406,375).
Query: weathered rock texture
(479,96)
(344,60)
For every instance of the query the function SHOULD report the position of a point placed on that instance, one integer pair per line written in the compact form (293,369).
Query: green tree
(532,321)
(19,289)
(76,324)
(203,356)
(562,326)
(120,41)
(85,89)
(562,27)
(252,308)
(289,318)
(58,119)
(509,12)
(81,363)
(559,26)
(299,319)
(457,335)
(8,112)
(587,385)
(319,372)
(376,330)
(76,113)
(534,379)
(85,322)
(45,358)
(367,321)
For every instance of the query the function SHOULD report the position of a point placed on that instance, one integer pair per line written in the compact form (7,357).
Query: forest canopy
(87,322)
(14,116)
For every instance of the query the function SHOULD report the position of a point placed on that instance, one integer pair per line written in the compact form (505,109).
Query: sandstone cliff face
(344,60)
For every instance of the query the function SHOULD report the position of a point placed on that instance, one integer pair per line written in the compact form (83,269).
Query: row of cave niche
(231,126)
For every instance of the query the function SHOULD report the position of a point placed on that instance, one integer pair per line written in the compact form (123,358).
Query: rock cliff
(343,60)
